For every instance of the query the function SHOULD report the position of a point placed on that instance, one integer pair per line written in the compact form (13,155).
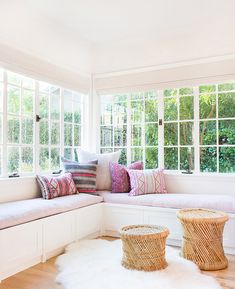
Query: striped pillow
(147,182)
(56,186)
(84,175)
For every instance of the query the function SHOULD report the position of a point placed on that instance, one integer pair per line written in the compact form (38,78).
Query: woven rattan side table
(144,247)
(203,237)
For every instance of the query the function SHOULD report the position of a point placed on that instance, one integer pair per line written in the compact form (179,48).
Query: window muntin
(198,122)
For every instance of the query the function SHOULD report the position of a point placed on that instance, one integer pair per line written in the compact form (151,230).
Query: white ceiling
(204,26)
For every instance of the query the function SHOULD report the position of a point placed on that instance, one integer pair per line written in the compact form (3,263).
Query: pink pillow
(120,177)
(147,182)
(56,186)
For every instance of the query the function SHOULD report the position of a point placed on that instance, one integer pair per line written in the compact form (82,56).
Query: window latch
(160,121)
(14,175)
(38,118)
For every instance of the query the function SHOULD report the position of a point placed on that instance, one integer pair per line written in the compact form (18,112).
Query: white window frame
(36,145)
(195,133)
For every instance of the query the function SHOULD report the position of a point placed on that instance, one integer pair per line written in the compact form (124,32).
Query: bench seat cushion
(19,212)
(177,201)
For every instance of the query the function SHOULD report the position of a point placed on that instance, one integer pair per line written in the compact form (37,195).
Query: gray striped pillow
(84,175)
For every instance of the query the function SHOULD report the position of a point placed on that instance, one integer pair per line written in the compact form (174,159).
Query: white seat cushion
(19,212)
(177,201)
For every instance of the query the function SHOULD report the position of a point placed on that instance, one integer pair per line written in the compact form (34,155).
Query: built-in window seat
(34,229)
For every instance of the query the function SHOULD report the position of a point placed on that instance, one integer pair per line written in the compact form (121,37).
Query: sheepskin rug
(95,264)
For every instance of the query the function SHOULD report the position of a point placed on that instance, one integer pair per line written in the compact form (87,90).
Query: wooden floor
(42,276)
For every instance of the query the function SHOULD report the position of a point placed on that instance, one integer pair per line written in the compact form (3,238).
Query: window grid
(27,160)
(193,145)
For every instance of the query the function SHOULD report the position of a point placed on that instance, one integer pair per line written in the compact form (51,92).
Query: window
(30,144)
(197,131)
(130,123)
(72,123)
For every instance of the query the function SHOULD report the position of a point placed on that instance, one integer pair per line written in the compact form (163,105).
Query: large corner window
(39,122)
(192,130)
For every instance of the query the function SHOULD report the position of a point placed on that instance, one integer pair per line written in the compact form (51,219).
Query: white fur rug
(95,264)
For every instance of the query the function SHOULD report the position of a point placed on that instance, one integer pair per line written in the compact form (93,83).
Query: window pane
(227,159)
(28,83)
(44,105)
(151,110)
(1,97)
(226,86)
(226,132)
(68,134)
(106,136)
(55,133)
(55,106)
(120,114)
(185,91)
(207,132)
(14,78)
(13,161)
(44,159)
(136,111)
(43,132)
(186,107)
(136,154)
(77,111)
(27,160)
(208,159)
(170,109)
(68,106)
(13,100)
(137,96)
(186,133)
(151,134)
(122,159)
(106,150)
(27,129)
(55,159)
(120,97)
(77,135)
(27,102)
(171,134)
(136,133)
(13,130)
(187,158)
(151,158)
(170,92)
(207,88)
(227,104)
(106,113)
(68,153)
(120,136)
(171,158)
(207,103)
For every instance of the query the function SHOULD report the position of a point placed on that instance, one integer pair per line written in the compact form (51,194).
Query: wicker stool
(203,237)
(144,247)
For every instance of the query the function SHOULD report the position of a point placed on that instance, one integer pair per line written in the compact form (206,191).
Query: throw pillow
(147,182)
(103,180)
(84,175)
(56,186)
(120,177)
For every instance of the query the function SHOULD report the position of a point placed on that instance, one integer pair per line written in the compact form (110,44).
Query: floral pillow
(56,186)
(147,182)
(120,177)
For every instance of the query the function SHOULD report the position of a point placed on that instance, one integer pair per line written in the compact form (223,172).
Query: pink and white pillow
(120,177)
(56,186)
(147,182)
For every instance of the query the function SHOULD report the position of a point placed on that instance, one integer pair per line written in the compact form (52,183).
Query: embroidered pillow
(147,182)
(104,181)
(56,186)
(120,177)
(84,175)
